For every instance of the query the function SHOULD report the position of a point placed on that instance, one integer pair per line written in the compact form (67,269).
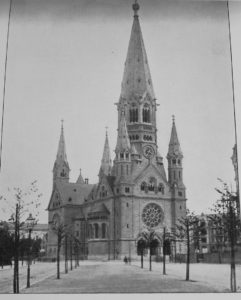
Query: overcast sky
(66,60)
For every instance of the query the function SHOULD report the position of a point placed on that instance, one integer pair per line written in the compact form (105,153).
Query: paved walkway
(116,277)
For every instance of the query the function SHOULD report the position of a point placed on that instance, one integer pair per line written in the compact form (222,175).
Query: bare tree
(226,211)
(60,230)
(186,228)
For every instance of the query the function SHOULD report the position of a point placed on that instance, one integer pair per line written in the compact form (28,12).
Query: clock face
(148,151)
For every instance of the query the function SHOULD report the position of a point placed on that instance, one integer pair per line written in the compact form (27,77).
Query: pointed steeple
(80,179)
(61,167)
(61,152)
(106,163)
(123,141)
(174,145)
(137,76)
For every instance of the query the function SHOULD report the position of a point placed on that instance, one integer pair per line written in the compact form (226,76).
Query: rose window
(152,215)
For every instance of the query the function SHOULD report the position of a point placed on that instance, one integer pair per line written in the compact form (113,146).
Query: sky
(66,61)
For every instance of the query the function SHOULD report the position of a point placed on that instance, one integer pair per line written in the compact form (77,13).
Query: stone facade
(133,192)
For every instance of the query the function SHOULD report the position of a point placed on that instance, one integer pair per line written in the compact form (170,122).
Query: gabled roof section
(123,141)
(107,182)
(137,77)
(151,170)
(174,145)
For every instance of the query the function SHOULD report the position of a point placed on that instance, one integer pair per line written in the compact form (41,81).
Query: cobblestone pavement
(116,277)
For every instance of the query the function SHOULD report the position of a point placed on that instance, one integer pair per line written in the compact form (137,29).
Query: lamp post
(30,223)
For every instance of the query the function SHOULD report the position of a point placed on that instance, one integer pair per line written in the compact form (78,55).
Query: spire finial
(106,130)
(173,119)
(136,7)
(62,124)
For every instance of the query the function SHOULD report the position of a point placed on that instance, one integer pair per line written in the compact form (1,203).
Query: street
(117,277)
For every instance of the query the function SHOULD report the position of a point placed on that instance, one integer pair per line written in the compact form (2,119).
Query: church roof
(73,193)
(137,76)
(98,208)
(174,145)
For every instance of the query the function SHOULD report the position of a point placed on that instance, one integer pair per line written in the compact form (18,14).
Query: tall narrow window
(103,227)
(146,114)
(143,186)
(152,184)
(96,227)
(133,112)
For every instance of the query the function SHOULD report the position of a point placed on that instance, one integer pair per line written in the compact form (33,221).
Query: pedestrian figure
(125,260)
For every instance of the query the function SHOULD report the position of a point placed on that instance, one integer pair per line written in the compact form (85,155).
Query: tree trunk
(71,256)
(188,254)
(66,255)
(163,250)
(219,256)
(232,244)
(16,254)
(150,261)
(58,256)
(142,259)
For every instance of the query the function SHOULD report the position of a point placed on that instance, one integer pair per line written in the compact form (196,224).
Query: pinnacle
(123,141)
(106,163)
(174,145)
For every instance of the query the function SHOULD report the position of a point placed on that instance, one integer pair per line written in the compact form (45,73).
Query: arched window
(152,184)
(103,230)
(143,186)
(146,114)
(161,188)
(133,113)
(96,228)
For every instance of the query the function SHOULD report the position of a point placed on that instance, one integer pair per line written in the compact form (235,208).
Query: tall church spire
(61,167)
(61,152)
(106,158)
(137,76)
(137,98)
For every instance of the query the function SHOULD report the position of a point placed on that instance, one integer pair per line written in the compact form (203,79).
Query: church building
(133,192)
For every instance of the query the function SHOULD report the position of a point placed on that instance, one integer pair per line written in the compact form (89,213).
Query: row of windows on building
(97,231)
(176,162)
(152,186)
(134,114)
(176,175)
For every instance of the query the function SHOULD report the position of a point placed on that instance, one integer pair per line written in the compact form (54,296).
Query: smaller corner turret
(175,157)
(122,162)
